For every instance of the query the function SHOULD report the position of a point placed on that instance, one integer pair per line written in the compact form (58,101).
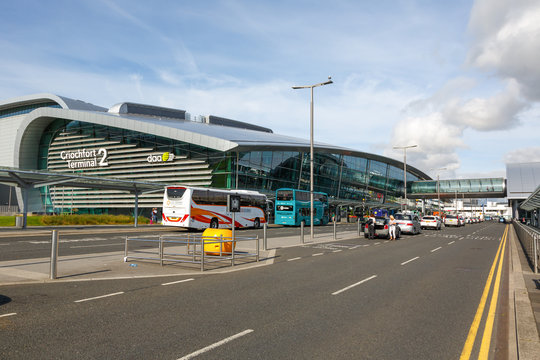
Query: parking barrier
(189,249)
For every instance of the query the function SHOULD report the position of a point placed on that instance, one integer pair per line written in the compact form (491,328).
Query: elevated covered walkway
(460,188)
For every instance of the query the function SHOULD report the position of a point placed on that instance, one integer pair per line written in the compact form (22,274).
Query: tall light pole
(311,146)
(438,191)
(405,168)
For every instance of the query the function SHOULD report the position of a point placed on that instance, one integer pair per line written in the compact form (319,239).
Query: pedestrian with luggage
(371,227)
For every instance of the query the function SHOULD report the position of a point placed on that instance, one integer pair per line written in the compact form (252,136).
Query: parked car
(382,228)
(501,220)
(430,222)
(451,220)
(408,223)
(461,220)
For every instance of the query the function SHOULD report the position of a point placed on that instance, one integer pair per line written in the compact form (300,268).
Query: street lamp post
(405,168)
(438,189)
(311,146)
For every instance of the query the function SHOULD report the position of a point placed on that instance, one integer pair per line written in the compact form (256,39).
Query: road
(356,299)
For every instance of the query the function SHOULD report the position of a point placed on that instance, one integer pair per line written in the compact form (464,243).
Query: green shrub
(56,220)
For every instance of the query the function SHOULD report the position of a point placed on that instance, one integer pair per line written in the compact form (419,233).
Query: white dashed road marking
(353,285)
(6,315)
(215,345)
(99,297)
(451,242)
(296,258)
(178,282)
(317,254)
(439,248)
(87,246)
(408,261)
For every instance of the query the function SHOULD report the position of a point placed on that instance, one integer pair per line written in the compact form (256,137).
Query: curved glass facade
(90,149)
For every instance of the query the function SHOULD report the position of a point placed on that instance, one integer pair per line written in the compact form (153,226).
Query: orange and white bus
(201,208)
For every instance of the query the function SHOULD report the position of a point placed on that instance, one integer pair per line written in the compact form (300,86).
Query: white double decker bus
(201,208)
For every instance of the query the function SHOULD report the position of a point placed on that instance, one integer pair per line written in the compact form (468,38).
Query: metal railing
(190,249)
(529,239)
(5,209)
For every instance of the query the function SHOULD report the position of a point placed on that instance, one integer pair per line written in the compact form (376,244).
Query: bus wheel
(214,224)
(257,223)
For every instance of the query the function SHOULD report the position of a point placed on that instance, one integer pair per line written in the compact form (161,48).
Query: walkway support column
(25,191)
(136,215)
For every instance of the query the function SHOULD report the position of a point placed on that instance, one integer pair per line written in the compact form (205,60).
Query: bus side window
(200,196)
(220,198)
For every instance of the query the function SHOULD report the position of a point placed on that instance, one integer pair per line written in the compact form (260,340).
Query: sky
(460,79)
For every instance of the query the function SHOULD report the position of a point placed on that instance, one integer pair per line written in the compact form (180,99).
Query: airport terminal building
(169,146)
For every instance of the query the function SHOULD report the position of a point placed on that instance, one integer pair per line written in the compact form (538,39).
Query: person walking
(393,225)
(371,227)
(153,219)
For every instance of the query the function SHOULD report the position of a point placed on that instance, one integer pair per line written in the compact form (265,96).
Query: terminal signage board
(85,158)
(94,158)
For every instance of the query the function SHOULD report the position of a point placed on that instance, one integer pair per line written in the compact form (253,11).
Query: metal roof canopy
(532,202)
(28,179)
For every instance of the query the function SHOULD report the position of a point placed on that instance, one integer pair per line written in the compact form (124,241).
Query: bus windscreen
(285,195)
(175,193)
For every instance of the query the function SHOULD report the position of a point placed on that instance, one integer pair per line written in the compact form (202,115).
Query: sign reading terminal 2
(85,158)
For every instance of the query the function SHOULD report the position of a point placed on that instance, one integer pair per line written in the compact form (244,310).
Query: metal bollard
(202,253)
(232,252)
(265,237)
(161,250)
(221,245)
(126,250)
(302,232)
(54,253)
(358,223)
(335,236)
(258,248)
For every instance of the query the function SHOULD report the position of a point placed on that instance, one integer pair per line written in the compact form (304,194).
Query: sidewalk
(104,266)
(524,300)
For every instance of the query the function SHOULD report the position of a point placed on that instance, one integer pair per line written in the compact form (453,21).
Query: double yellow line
(488,329)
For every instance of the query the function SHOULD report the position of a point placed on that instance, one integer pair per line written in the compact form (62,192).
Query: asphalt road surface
(414,298)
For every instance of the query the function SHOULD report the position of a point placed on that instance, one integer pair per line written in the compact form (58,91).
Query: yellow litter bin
(211,247)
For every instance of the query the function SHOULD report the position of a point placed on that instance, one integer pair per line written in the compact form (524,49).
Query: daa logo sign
(165,157)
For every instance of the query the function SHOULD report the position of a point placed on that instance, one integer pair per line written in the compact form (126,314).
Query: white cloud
(437,141)
(507,43)
(485,114)
(523,155)
(507,35)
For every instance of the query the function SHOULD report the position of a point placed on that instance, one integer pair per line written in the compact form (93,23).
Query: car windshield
(380,220)
(402,217)
(451,217)
(428,218)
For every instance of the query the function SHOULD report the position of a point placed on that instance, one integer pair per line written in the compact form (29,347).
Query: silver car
(430,222)
(408,223)
(451,220)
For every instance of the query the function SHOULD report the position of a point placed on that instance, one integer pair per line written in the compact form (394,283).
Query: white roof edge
(107,119)
(64,102)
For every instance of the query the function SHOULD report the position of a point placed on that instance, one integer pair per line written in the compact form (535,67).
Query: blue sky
(458,78)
